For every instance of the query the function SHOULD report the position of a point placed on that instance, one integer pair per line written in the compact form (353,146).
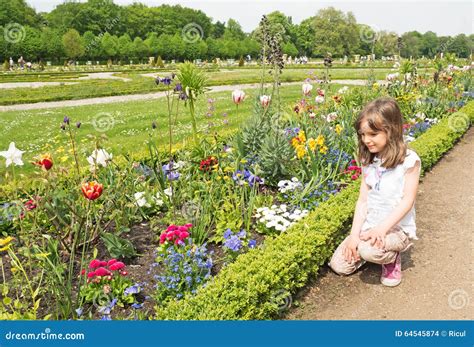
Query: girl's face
(374,140)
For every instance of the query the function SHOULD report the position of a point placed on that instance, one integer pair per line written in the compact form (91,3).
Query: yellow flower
(43,255)
(312,144)
(6,241)
(63,158)
(323,149)
(338,129)
(228,169)
(302,136)
(320,140)
(243,161)
(300,151)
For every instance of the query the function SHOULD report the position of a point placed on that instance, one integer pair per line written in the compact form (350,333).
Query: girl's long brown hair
(383,114)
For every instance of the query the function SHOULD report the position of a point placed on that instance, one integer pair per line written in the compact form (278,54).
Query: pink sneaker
(392,273)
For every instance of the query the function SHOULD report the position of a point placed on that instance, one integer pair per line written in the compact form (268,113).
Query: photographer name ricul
(455,333)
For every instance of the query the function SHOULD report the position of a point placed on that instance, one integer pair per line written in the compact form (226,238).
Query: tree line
(100,29)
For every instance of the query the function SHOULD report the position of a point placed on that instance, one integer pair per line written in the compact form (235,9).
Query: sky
(442,17)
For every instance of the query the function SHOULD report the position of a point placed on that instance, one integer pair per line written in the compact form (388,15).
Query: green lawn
(38,132)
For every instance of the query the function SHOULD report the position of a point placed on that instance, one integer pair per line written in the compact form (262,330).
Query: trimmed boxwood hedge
(250,287)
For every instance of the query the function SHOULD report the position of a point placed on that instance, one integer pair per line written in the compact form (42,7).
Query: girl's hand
(350,251)
(376,237)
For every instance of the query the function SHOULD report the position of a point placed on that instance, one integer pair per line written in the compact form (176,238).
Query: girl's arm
(376,235)
(360,210)
(350,249)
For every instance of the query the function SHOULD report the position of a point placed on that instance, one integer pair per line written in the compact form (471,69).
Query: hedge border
(249,287)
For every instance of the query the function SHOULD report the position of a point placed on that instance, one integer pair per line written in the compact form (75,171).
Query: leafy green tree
(109,45)
(73,44)
(18,11)
(140,49)
(125,46)
(411,44)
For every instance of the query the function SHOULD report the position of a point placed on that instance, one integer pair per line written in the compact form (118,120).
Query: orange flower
(92,190)
(45,161)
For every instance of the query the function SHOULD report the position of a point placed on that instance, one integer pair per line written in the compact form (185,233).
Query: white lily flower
(168,191)
(307,88)
(319,99)
(12,155)
(99,157)
(140,199)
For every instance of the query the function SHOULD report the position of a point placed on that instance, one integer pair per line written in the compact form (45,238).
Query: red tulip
(92,190)
(45,161)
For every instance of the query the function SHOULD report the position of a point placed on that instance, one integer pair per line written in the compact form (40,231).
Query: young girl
(384,219)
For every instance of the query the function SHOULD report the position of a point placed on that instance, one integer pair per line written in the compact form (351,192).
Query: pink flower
(172,227)
(117,266)
(354,177)
(94,264)
(189,225)
(307,88)
(183,235)
(91,274)
(102,272)
(321,92)
(265,100)
(238,96)
(111,261)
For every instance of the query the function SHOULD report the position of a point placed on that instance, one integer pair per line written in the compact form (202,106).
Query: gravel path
(149,96)
(437,272)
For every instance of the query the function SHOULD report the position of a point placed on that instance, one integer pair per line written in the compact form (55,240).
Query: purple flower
(183,96)
(166,81)
(79,311)
(137,306)
(66,120)
(168,171)
(178,87)
(252,243)
(132,290)
(233,243)
(242,233)
(227,234)
(78,125)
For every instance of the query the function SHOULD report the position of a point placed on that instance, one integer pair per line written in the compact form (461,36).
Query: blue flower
(132,290)
(79,311)
(137,306)
(227,234)
(252,243)
(242,234)
(233,243)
